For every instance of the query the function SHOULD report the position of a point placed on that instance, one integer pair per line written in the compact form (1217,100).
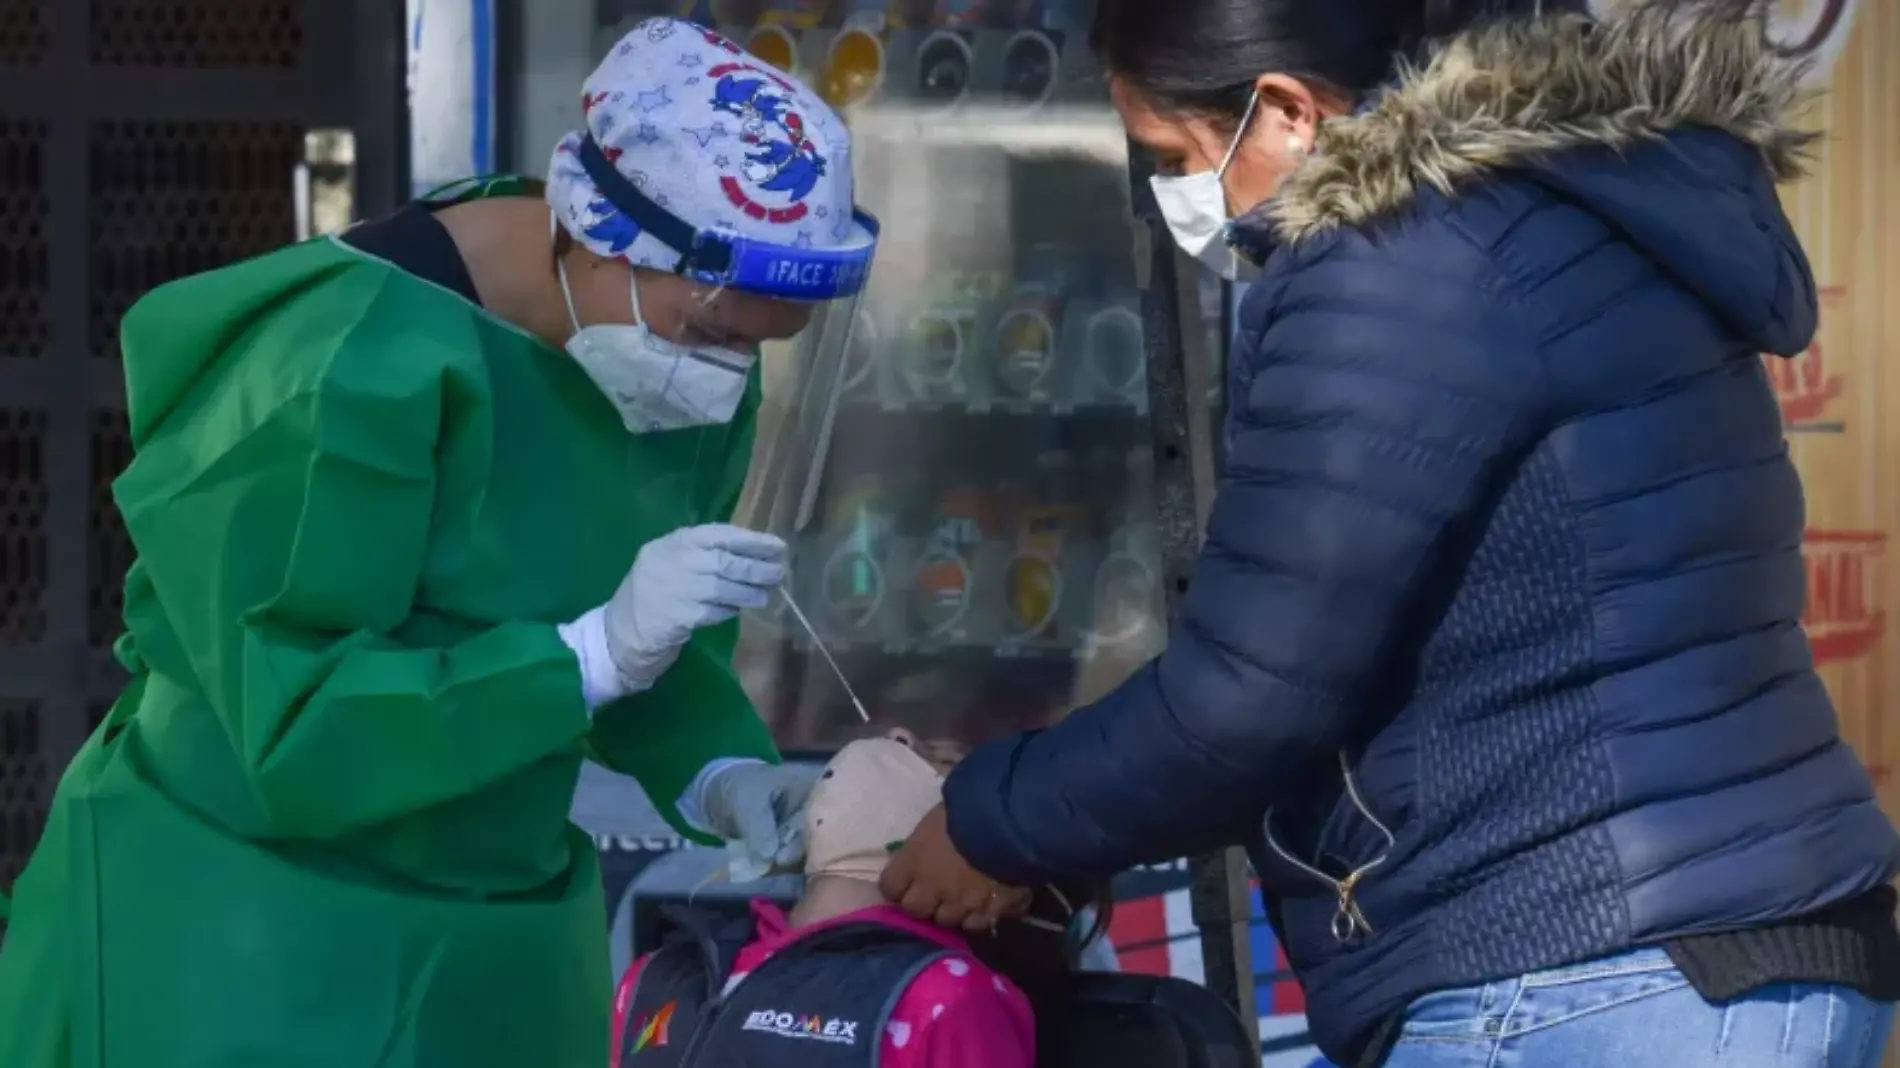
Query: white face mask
(656,384)
(1195,207)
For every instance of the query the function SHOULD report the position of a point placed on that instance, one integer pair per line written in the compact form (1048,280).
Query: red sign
(1844,619)
(1804,385)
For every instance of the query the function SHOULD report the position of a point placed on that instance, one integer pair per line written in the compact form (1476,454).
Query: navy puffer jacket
(1506,557)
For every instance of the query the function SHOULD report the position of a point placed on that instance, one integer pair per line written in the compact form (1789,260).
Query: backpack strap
(853,937)
(897,994)
(670,985)
(679,988)
(718,941)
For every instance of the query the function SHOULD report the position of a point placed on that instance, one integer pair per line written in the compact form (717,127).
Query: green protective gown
(326,824)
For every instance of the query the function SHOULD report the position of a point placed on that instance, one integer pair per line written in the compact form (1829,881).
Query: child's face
(942,753)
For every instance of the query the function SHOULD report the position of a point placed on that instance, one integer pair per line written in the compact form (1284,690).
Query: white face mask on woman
(654,383)
(1195,207)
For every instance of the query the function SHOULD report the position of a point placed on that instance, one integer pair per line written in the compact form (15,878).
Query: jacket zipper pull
(1348,921)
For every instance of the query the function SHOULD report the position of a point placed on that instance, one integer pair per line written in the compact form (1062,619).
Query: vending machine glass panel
(962,462)
(964,468)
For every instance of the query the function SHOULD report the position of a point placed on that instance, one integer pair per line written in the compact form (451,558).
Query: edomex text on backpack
(820,1002)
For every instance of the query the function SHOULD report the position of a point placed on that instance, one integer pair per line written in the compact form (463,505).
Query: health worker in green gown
(425,515)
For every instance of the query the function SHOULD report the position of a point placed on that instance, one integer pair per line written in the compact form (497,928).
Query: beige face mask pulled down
(873,793)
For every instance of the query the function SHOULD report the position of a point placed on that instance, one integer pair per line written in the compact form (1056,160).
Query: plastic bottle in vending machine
(1045,526)
(857,527)
(1032,59)
(856,58)
(775,38)
(1032,68)
(946,569)
(861,358)
(1025,347)
(1113,352)
(939,350)
(937,342)
(1127,607)
(946,60)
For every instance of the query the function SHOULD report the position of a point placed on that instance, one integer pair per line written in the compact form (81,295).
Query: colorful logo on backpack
(654,1031)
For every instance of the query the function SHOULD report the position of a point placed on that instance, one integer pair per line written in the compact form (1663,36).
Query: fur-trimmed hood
(1537,95)
(1519,91)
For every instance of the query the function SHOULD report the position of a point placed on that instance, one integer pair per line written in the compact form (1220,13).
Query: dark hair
(1203,56)
(1039,960)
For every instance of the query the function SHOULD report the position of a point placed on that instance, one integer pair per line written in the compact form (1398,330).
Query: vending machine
(968,482)
(989,470)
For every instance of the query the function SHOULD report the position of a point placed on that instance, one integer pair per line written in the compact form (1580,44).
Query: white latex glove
(692,578)
(759,809)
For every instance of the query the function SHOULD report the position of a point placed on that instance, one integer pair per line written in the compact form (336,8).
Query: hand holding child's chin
(932,881)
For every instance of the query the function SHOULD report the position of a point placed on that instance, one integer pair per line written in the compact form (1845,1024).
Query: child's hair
(1041,957)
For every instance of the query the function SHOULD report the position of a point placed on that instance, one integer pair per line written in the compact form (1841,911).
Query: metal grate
(197,34)
(174,185)
(108,549)
(26,784)
(23,496)
(23,207)
(171,199)
(23,35)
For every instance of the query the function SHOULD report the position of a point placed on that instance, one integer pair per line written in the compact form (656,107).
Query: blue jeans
(1637,1011)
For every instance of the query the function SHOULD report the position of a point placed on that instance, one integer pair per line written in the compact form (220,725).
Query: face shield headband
(747,264)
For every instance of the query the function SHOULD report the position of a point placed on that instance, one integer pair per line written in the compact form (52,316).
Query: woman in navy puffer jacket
(1493,654)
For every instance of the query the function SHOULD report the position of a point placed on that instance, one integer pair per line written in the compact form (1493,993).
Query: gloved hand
(761,807)
(694,577)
